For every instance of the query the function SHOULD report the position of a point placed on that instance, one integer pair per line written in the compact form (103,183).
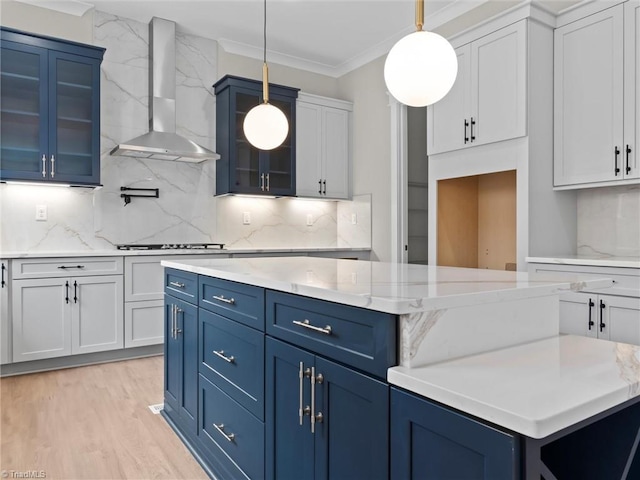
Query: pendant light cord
(265,68)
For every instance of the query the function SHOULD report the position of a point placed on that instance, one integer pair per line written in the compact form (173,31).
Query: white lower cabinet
(55,317)
(141,325)
(6,355)
(609,317)
(66,306)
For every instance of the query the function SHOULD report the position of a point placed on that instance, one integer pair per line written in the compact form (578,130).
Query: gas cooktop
(172,246)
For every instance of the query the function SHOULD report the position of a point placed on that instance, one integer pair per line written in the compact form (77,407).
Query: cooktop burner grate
(172,246)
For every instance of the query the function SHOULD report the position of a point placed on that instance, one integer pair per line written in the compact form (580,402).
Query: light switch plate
(246,218)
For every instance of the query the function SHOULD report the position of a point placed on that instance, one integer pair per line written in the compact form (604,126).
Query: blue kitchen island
(304,367)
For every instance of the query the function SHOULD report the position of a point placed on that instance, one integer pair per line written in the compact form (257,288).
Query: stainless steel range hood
(162,142)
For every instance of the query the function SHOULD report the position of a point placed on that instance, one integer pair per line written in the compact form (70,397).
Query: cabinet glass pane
(74,111)
(20,111)
(248,161)
(280,158)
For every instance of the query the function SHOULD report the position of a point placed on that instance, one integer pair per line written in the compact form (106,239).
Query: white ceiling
(330,37)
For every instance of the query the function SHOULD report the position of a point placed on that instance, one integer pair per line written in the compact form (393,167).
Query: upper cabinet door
(498,85)
(632,89)
(74,118)
(448,120)
(588,105)
(24,102)
(309,154)
(335,148)
(488,100)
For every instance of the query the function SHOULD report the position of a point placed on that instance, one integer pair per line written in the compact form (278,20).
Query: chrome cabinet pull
(302,373)
(268,183)
(173,321)
(306,324)
(230,301)
(44,165)
(178,330)
(53,166)
(262,182)
(228,436)
(315,417)
(221,354)
(176,284)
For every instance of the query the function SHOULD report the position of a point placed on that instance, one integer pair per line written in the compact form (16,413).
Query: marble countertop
(535,389)
(589,260)
(385,287)
(129,253)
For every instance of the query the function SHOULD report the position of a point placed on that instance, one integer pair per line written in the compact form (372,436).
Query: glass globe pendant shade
(420,69)
(265,126)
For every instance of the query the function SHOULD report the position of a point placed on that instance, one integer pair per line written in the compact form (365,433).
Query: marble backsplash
(186,211)
(609,221)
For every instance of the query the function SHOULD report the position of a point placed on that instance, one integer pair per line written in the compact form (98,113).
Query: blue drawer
(238,366)
(180,284)
(239,435)
(360,338)
(239,302)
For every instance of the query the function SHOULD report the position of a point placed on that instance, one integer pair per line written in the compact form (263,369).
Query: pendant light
(265,126)
(420,68)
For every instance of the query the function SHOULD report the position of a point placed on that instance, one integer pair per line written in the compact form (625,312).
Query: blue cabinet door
(353,439)
(431,442)
(50,97)
(74,118)
(24,136)
(172,360)
(187,333)
(181,363)
(289,441)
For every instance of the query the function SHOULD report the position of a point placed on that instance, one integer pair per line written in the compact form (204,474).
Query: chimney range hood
(162,142)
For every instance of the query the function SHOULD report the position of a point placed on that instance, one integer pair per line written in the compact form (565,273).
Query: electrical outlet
(246,218)
(354,218)
(41,213)
(309,219)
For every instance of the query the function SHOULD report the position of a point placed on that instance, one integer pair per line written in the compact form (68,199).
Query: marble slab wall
(284,222)
(609,221)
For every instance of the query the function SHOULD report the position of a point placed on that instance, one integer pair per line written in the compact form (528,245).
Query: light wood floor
(91,423)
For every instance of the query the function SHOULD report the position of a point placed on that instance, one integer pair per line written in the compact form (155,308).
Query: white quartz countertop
(589,260)
(195,251)
(385,287)
(535,389)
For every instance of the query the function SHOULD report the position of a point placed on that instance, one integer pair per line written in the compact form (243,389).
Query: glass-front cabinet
(243,168)
(50,110)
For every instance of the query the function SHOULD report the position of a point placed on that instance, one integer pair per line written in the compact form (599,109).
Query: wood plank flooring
(91,423)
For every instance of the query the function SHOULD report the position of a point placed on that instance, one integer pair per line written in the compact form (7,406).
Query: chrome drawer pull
(176,284)
(221,354)
(306,324)
(230,301)
(302,373)
(220,428)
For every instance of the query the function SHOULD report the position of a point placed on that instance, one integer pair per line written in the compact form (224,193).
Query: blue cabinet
(181,363)
(242,168)
(432,442)
(324,420)
(50,107)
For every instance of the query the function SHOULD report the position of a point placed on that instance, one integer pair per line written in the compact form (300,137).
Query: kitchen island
(305,368)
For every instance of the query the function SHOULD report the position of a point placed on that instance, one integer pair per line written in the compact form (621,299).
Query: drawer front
(357,337)
(180,284)
(239,302)
(232,357)
(626,281)
(66,267)
(226,425)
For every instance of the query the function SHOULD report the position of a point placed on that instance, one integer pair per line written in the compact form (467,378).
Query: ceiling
(330,37)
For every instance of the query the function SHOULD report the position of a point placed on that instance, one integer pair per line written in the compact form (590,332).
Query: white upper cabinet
(322,147)
(488,100)
(595,107)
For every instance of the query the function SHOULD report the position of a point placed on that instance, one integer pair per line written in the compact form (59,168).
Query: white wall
(47,22)
(365,87)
